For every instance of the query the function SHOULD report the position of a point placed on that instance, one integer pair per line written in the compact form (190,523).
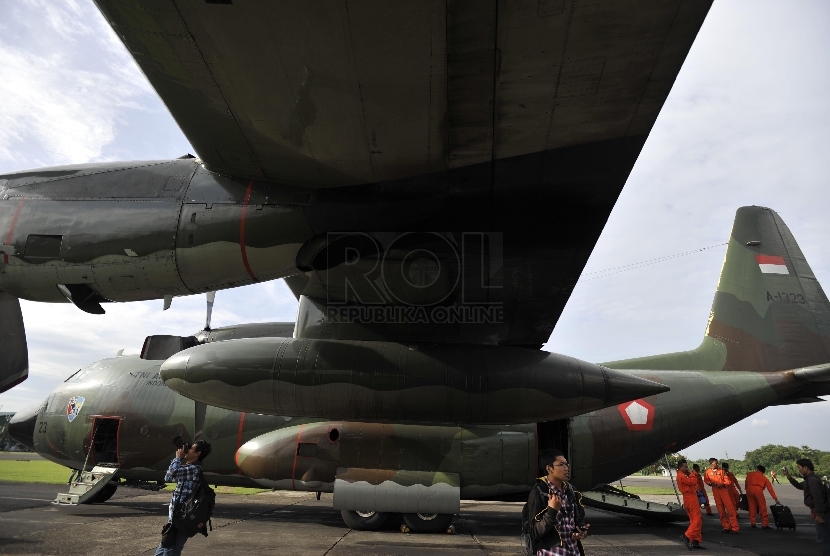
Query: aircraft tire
(104,494)
(428,523)
(364,521)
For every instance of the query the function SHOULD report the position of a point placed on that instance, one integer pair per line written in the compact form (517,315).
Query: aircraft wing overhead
(522,117)
(328,93)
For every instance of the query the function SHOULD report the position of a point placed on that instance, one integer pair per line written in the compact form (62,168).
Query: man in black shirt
(815,499)
(558,521)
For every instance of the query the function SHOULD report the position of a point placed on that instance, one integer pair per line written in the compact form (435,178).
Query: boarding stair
(616,500)
(86,484)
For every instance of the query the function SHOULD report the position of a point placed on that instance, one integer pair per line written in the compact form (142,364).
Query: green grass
(648,490)
(227,489)
(42,471)
(34,471)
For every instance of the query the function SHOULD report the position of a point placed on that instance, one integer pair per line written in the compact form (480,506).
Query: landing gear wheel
(428,523)
(364,521)
(105,493)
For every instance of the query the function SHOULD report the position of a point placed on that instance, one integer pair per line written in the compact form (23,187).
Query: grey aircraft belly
(429,176)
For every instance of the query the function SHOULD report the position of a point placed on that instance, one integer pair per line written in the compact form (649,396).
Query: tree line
(771,456)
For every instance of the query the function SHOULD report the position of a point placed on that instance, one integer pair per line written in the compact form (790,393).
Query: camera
(179,442)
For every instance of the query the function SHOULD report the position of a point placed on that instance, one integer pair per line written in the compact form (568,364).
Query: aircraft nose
(22,426)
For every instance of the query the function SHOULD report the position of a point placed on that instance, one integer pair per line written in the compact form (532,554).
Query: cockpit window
(52,403)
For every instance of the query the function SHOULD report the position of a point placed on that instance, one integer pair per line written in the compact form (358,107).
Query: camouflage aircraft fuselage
(781,339)
(129,389)
(491,461)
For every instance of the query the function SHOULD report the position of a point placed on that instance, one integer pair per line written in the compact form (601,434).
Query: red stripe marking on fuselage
(14,221)
(242,231)
(296,451)
(10,235)
(770,259)
(239,442)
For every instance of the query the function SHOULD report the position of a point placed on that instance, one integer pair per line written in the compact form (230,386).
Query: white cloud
(59,104)
(759,422)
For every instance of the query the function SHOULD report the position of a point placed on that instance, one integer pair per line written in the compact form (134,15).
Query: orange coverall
(688,487)
(755,484)
(734,491)
(702,488)
(717,479)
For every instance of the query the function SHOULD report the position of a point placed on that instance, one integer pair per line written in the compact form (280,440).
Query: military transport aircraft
(767,342)
(432,175)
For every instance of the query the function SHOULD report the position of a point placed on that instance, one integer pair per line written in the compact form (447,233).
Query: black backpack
(193,515)
(825,487)
(528,542)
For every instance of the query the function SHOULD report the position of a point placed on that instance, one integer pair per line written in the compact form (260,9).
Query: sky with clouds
(747,122)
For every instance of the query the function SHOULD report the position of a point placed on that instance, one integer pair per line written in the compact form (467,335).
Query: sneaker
(752,525)
(726,531)
(766,527)
(686,541)
(697,546)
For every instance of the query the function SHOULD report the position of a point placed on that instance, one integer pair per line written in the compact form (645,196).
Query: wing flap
(14,357)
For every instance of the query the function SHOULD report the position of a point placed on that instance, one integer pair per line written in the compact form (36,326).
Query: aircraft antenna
(211,296)
(632,266)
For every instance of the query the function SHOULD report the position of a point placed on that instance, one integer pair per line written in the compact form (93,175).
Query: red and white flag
(771,264)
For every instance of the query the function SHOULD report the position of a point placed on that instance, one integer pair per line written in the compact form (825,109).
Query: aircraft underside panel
(399,491)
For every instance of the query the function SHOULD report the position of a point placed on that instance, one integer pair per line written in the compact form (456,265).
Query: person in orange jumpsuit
(687,483)
(702,488)
(755,484)
(717,479)
(735,490)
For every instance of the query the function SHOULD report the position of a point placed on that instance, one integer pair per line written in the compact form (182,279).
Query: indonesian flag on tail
(771,264)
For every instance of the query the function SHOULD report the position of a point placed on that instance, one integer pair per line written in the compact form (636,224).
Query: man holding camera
(815,499)
(186,470)
(558,520)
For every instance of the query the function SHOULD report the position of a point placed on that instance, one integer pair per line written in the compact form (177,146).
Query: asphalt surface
(297,523)
(19,456)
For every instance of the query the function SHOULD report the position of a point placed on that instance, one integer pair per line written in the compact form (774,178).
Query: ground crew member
(755,484)
(717,479)
(773,477)
(702,488)
(687,483)
(734,489)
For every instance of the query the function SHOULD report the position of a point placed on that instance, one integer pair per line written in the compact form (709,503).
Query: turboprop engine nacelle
(394,468)
(144,230)
(397,383)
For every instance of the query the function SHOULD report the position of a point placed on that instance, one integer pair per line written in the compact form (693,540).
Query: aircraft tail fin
(769,313)
(14,354)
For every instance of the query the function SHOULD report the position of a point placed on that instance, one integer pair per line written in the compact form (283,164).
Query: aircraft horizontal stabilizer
(14,355)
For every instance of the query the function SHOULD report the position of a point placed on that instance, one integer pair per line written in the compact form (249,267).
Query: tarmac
(288,523)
